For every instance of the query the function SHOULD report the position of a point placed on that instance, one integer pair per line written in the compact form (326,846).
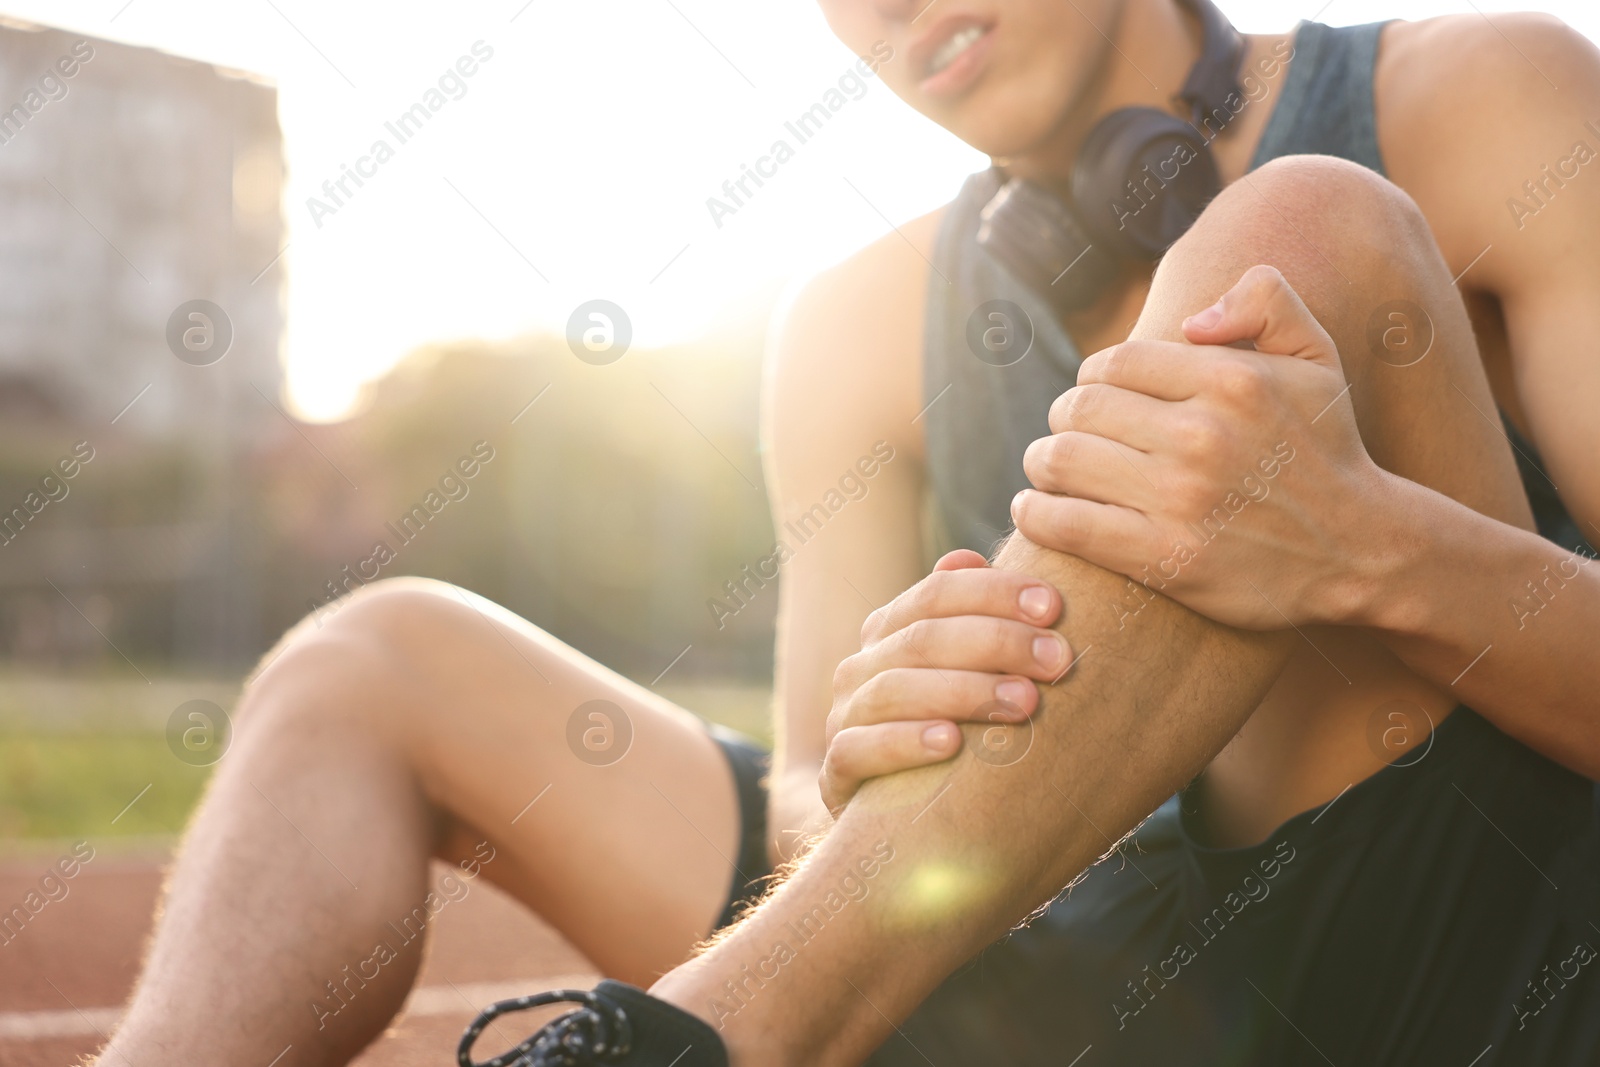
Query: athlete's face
(999,74)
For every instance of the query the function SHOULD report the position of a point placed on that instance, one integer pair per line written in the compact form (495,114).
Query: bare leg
(419,721)
(958,853)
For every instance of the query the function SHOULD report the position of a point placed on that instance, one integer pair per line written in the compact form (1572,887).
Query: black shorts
(752,868)
(1445,911)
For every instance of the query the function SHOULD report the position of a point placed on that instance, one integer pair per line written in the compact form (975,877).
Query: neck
(1146,57)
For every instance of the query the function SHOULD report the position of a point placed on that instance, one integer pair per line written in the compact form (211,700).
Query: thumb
(1263,308)
(960,560)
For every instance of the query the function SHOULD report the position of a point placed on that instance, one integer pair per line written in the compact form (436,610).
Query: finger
(1116,538)
(1091,468)
(968,591)
(1263,308)
(1164,370)
(1114,413)
(956,695)
(960,559)
(864,752)
(972,643)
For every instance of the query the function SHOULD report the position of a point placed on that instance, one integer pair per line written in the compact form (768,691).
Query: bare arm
(841,390)
(1458,589)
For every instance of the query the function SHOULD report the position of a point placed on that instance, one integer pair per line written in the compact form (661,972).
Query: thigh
(605,808)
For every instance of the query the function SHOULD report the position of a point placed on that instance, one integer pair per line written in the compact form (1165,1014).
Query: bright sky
(577,164)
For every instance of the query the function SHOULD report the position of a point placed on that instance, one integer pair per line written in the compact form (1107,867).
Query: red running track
(64,976)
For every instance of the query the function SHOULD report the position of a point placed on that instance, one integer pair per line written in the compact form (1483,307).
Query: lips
(950,54)
(953,47)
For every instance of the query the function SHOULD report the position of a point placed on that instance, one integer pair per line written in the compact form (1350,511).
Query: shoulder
(1471,107)
(845,353)
(1480,55)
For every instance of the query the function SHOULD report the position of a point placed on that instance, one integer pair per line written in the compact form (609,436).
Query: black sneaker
(615,1024)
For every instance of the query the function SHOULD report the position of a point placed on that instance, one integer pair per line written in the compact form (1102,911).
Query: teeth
(951,49)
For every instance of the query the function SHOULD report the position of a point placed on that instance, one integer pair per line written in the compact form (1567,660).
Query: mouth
(948,52)
(950,55)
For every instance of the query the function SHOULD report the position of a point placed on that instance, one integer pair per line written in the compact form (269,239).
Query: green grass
(73,785)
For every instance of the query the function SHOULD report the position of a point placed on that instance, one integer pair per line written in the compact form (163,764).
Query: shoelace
(596,1033)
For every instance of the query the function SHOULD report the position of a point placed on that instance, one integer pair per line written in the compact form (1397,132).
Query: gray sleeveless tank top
(981,417)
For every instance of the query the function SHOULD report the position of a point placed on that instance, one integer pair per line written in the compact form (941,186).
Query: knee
(359,655)
(400,612)
(1317,208)
(1346,238)
(1332,194)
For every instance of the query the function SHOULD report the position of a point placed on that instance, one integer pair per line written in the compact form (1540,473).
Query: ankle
(751,1036)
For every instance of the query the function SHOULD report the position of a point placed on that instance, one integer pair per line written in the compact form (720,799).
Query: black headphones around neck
(1141,179)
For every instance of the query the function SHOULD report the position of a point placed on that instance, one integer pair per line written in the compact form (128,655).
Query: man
(1384,561)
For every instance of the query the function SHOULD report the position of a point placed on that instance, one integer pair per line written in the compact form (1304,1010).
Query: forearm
(1499,617)
(976,846)
(795,811)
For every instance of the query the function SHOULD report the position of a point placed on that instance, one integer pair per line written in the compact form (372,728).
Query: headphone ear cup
(1141,180)
(1034,234)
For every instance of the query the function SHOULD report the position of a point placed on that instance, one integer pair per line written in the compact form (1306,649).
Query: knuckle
(1242,382)
(1267,278)
(1204,436)
(842,763)
(918,635)
(874,692)
(1063,410)
(1058,408)
(1022,510)
(1276,279)
(825,789)
(924,599)
(872,626)
(1117,359)
(1075,404)
(1194,495)
(844,676)
(834,761)
(1047,458)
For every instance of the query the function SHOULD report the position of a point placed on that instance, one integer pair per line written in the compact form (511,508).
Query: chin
(1002,75)
(1023,95)
(1009,118)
